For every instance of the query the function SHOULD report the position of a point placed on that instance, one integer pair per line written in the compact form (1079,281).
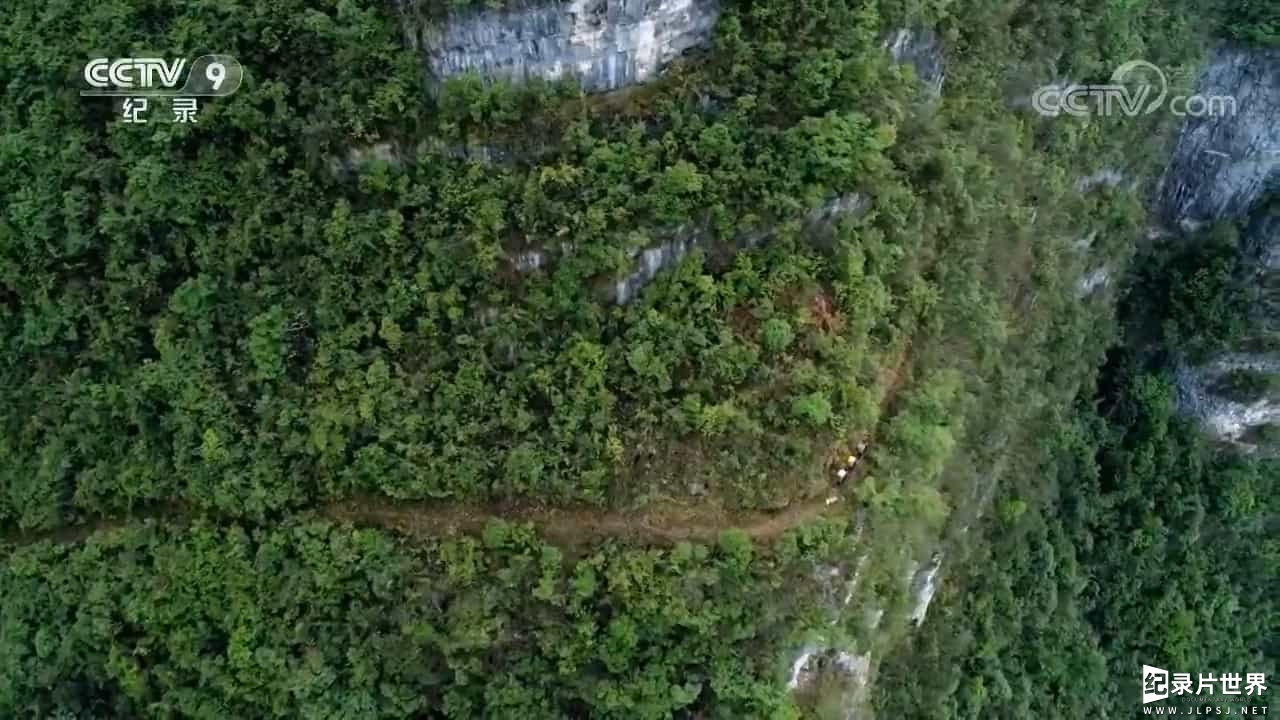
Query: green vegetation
(1244,385)
(243,319)
(1145,543)
(309,620)
(174,334)
(208,313)
(1154,548)
(313,296)
(1256,22)
(1196,283)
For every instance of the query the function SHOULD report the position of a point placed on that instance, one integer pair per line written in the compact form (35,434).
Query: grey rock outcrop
(1224,167)
(818,225)
(1108,177)
(1223,163)
(924,585)
(605,44)
(922,50)
(653,261)
(1092,281)
(1226,418)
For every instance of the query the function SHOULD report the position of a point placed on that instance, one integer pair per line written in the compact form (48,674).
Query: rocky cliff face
(1226,417)
(1223,163)
(1223,168)
(605,44)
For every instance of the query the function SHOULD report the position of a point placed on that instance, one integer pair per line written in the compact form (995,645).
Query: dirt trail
(662,522)
(658,523)
(70,534)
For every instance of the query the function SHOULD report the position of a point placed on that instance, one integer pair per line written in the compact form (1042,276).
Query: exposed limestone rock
(358,157)
(605,44)
(1107,177)
(1222,164)
(824,216)
(1083,244)
(923,52)
(924,585)
(800,672)
(1222,168)
(653,261)
(818,225)
(530,260)
(1226,418)
(1093,281)
(853,670)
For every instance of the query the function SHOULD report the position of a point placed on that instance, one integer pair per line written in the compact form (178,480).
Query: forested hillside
(1139,541)
(212,314)
(309,620)
(209,314)
(329,406)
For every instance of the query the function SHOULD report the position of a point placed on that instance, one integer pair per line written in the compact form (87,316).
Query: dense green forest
(209,313)
(211,334)
(1143,543)
(310,620)
(1155,549)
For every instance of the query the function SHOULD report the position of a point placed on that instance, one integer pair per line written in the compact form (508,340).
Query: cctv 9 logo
(209,76)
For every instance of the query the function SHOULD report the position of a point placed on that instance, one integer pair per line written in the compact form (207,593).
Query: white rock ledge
(605,44)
